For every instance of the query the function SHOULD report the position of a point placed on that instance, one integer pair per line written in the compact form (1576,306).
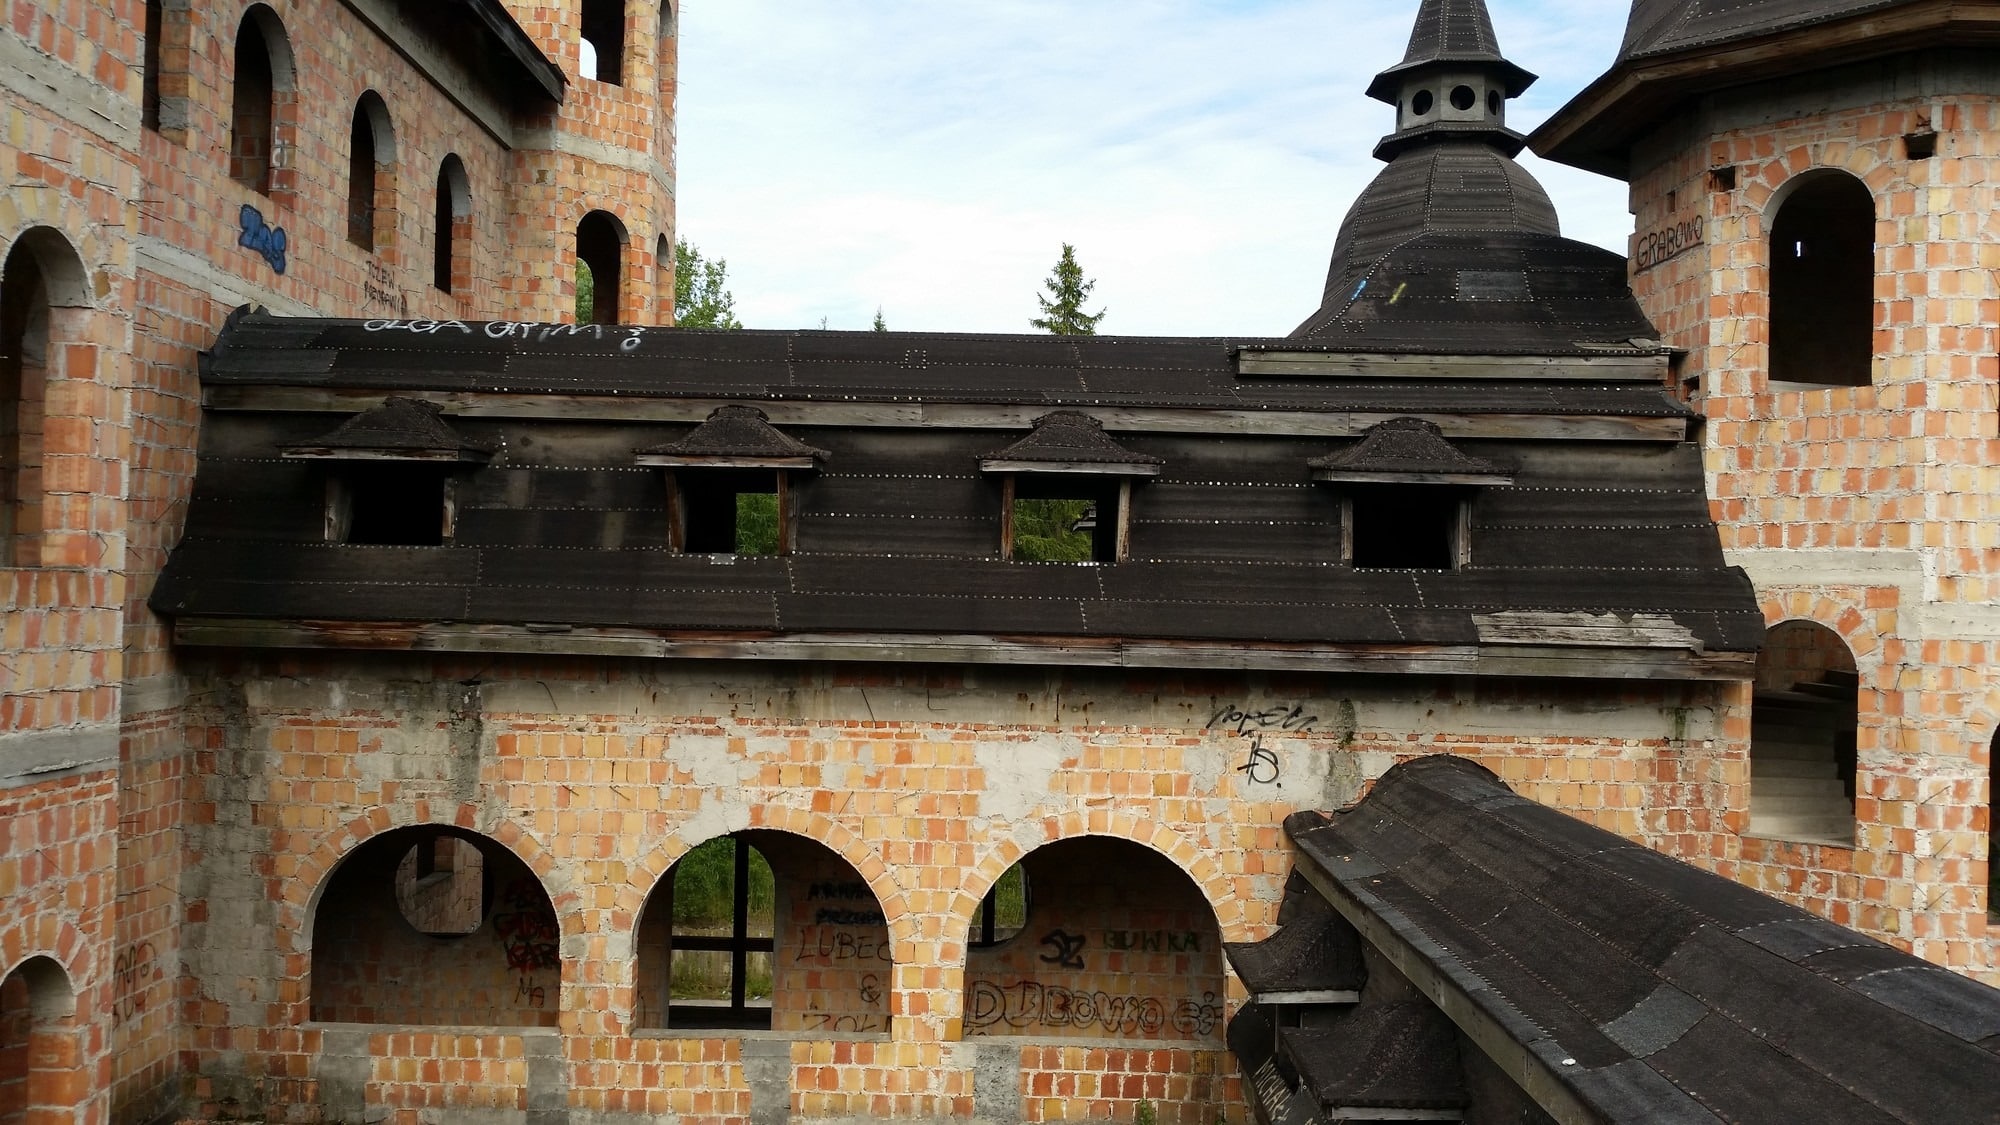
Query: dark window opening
(24,354)
(1463,98)
(1003,913)
(1823,283)
(1422,102)
(1065,518)
(604,40)
(1723,178)
(441,886)
(724,909)
(390,505)
(600,253)
(732,511)
(1405,527)
(1920,146)
(361,181)
(451,247)
(252,120)
(149,82)
(1493,102)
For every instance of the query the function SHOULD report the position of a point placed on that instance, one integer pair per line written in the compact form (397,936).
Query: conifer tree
(1062,306)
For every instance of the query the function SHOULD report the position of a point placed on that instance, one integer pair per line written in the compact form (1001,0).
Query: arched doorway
(600,258)
(1802,736)
(435,925)
(41,1071)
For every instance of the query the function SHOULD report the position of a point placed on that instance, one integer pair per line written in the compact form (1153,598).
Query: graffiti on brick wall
(527,929)
(820,946)
(1027,1004)
(268,242)
(866,914)
(1151,941)
(1658,247)
(828,1021)
(134,968)
(528,993)
(380,287)
(1260,764)
(1065,949)
(1236,718)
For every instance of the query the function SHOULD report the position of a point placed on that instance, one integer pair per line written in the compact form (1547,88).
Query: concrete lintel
(197,273)
(152,694)
(38,80)
(27,757)
(1907,571)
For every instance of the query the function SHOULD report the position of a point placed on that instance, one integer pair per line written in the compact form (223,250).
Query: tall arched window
(663,281)
(602,50)
(600,257)
(41,273)
(262,73)
(451,252)
(149,79)
(371,175)
(1823,281)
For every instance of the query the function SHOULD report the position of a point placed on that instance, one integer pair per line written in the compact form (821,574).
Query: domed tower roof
(1454,239)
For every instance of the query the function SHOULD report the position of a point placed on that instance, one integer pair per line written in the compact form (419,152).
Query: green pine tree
(881,325)
(1062,306)
(701,291)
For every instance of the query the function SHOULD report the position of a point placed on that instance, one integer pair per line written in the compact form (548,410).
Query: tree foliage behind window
(701,290)
(1045,531)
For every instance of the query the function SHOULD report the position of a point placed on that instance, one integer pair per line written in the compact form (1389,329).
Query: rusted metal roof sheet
(1619,985)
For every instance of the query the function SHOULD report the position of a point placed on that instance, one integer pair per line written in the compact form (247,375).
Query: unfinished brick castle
(378,641)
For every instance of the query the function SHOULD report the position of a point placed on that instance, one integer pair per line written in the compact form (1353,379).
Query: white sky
(930,156)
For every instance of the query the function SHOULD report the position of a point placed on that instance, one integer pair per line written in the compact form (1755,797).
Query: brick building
(374,799)
(1811,182)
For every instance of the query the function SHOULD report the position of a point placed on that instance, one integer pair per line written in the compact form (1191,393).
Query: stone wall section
(1868,510)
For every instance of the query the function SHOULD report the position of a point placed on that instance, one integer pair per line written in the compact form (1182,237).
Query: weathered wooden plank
(1593,369)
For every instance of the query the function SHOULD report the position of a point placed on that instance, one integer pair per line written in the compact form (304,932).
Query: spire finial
(1453,82)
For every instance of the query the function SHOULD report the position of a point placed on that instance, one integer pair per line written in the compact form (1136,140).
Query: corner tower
(1454,247)
(1816,230)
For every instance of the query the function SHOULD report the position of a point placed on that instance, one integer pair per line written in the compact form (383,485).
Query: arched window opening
(39,1063)
(664,280)
(1802,736)
(764,931)
(40,279)
(371,175)
(435,926)
(1125,947)
(1823,282)
(602,50)
(600,261)
(451,253)
(252,117)
(1003,913)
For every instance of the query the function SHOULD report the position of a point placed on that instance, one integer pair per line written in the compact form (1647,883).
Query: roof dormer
(730,484)
(392,474)
(1406,497)
(1066,491)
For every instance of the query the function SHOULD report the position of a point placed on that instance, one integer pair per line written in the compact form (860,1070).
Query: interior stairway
(1802,761)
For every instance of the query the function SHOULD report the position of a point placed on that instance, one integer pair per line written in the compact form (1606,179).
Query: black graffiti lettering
(1027,1004)
(840,892)
(1068,949)
(1262,765)
(1233,717)
(824,947)
(1151,941)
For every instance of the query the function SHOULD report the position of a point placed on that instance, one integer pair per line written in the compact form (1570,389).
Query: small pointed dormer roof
(1452,32)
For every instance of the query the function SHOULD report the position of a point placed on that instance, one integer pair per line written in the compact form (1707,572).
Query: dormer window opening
(732,485)
(1406,496)
(1066,492)
(392,475)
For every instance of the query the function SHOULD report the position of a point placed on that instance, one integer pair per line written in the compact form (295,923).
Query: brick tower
(1812,186)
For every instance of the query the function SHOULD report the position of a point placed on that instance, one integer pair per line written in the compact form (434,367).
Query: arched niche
(763,931)
(1822,278)
(1118,943)
(435,925)
(371,175)
(39,1052)
(600,256)
(451,250)
(40,277)
(261,84)
(1803,724)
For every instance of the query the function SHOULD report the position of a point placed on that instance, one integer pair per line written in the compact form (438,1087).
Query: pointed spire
(1453,83)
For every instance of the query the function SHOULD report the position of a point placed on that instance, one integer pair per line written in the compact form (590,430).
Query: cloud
(930,158)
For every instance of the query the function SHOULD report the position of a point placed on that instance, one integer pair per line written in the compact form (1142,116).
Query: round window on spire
(1421,104)
(1462,98)
(1493,101)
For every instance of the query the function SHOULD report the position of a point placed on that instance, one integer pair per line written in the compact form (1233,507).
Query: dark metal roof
(1395,1055)
(1070,437)
(735,432)
(1449,32)
(1403,447)
(400,427)
(1314,950)
(1232,546)
(1658,27)
(490,38)
(1637,988)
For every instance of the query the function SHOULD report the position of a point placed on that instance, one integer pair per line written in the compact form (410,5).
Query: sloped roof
(1451,32)
(732,433)
(400,428)
(1658,27)
(1634,987)
(1405,447)
(1070,437)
